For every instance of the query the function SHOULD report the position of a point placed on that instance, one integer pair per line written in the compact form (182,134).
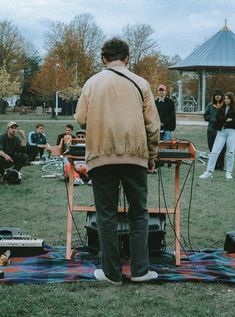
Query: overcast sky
(179,25)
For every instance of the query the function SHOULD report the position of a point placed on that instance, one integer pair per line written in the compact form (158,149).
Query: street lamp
(56,103)
(57,92)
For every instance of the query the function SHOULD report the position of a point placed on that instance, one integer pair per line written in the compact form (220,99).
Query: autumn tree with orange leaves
(73,56)
(50,78)
(77,44)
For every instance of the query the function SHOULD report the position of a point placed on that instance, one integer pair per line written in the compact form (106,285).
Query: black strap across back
(121,74)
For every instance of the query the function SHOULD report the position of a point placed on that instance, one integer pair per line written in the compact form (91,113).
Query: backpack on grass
(12,176)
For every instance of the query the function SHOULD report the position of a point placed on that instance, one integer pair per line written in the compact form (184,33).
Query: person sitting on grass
(80,172)
(80,169)
(81,134)
(37,143)
(12,149)
(65,138)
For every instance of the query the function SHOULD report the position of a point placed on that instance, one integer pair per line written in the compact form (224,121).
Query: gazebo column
(180,93)
(199,94)
(203,91)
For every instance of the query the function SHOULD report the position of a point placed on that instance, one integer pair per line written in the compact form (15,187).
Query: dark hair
(230,95)
(217,92)
(39,125)
(115,49)
(69,126)
(82,131)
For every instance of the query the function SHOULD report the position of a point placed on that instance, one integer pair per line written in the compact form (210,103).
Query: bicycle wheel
(54,167)
(202,155)
(198,161)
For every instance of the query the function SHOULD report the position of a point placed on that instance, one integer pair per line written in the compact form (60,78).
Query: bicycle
(201,158)
(54,166)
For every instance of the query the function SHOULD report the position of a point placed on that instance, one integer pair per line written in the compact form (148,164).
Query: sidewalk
(178,122)
(190,122)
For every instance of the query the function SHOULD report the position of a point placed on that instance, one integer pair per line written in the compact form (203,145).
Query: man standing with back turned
(122,133)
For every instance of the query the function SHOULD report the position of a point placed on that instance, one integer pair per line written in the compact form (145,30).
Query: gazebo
(216,55)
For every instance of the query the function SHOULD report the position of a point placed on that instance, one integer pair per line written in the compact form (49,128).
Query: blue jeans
(166,135)
(225,136)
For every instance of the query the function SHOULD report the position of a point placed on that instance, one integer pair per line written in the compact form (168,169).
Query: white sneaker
(78,181)
(151,275)
(228,175)
(99,275)
(206,174)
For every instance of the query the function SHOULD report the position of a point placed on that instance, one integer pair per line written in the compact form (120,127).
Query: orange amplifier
(176,150)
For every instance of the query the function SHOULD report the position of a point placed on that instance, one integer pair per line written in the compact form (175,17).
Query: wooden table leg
(69,212)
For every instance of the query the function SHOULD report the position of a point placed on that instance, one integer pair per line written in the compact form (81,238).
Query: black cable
(177,202)
(169,219)
(190,204)
(192,165)
(159,205)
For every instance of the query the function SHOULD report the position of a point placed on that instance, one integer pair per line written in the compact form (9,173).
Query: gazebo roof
(216,54)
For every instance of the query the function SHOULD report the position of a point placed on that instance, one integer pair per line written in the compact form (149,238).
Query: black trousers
(33,151)
(106,182)
(19,160)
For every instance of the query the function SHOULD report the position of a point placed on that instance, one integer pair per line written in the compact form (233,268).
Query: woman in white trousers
(225,126)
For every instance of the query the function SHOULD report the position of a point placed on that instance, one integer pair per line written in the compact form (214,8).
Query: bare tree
(140,42)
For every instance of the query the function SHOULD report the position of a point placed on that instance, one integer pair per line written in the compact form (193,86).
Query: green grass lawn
(39,206)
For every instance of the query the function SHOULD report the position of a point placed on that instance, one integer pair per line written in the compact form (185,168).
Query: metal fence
(189,104)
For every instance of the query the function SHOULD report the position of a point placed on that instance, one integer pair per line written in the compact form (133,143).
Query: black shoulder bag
(121,74)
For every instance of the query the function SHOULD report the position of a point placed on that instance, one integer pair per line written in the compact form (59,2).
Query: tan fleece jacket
(120,128)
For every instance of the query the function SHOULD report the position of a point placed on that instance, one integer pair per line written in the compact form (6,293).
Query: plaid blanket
(52,267)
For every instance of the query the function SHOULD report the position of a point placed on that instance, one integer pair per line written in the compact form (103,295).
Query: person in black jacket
(210,116)
(64,139)
(166,110)
(225,126)
(68,131)
(12,148)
